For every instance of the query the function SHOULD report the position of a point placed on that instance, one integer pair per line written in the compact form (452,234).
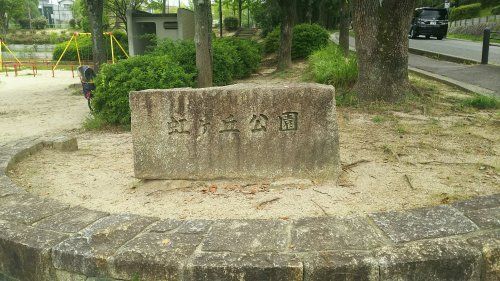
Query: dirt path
(34,106)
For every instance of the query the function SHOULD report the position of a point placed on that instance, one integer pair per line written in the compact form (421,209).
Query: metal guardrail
(486,44)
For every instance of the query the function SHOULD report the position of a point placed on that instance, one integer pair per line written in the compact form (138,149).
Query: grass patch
(329,66)
(378,119)
(94,123)
(481,102)
(346,98)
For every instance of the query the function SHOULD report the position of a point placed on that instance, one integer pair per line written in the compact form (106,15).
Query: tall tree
(119,8)
(95,10)
(240,11)
(381,28)
(344,26)
(287,9)
(203,41)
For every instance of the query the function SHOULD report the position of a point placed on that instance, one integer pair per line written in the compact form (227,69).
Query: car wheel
(413,33)
(440,37)
(427,36)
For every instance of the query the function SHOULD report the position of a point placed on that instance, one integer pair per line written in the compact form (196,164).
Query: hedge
(307,38)
(115,81)
(233,57)
(231,23)
(85,48)
(465,12)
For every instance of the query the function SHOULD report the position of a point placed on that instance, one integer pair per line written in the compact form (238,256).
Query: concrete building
(141,26)
(57,12)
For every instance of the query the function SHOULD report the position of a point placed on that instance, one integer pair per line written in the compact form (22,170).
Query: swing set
(74,39)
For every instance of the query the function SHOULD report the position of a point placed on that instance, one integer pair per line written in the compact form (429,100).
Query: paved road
(485,76)
(457,48)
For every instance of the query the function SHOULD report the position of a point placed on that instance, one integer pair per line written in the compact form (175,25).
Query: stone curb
(440,56)
(42,239)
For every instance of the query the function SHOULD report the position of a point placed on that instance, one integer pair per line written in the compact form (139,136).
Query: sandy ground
(407,157)
(36,106)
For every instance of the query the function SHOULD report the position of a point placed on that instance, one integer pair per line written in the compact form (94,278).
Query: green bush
(329,66)
(233,57)
(85,48)
(247,57)
(495,10)
(115,81)
(307,38)
(465,12)
(39,23)
(272,41)
(24,23)
(72,23)
(231,23)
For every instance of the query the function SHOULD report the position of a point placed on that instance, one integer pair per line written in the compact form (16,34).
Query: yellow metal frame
(112,39)
(10,52)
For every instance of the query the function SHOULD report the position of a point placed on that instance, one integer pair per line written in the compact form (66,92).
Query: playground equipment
(74,38)
(2,43)
(14,64)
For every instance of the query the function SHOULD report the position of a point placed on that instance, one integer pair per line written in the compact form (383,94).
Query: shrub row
(465,12)
(307,38)
(36,38)
(171,64)
(329,66)
(38,23)
(234,58)
(85,47)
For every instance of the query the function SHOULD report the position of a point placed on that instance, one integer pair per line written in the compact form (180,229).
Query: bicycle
(87,75)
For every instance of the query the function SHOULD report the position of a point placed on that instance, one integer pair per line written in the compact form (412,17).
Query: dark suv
(429,22)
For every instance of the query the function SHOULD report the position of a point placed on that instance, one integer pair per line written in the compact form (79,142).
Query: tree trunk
(309,11)
(95,9)
(220,18)
(381,28)
(203,41)
(287,18)
(240,11)
(344,27)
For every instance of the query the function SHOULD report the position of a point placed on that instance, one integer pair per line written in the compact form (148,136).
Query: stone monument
(242,131)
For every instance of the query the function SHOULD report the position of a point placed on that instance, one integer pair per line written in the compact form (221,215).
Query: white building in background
(57,12)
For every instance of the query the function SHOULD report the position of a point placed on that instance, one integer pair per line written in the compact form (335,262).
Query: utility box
(143,27)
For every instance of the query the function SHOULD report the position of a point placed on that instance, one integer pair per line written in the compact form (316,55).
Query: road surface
(456,48)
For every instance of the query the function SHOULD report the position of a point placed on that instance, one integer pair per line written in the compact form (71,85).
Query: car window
(433,14)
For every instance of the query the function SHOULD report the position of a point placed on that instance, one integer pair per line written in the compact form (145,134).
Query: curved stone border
(42,239)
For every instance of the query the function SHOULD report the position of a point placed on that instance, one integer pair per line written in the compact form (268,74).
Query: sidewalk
(483,76)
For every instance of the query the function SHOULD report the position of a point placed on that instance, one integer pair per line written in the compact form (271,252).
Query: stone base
(45,240)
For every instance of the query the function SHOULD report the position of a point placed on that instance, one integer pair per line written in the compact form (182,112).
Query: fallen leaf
(213,188)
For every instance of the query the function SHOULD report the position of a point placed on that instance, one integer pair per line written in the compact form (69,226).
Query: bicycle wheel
(90,105)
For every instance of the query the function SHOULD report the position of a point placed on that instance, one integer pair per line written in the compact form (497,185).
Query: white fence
(465,22)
